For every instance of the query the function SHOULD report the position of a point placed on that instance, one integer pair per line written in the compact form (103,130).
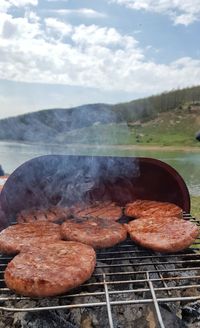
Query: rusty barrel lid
(65,179)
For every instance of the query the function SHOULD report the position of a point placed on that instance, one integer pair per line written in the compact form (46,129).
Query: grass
(168,129)
(174,128)
(195,211)
(195,206)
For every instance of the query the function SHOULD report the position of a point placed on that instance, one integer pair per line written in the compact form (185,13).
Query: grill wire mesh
(125,275)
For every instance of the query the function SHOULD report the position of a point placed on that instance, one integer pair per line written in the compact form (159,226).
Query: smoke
(64,180)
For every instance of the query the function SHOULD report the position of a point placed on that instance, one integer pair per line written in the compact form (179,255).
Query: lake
(13,154)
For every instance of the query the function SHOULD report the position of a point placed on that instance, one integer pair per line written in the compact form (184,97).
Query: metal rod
(72,306)
(144,284)
(148,263)
(168,256)
(108,302)
(158,313)
(153,256)
(138,264)
(142,280)
(152,271)
(113,292)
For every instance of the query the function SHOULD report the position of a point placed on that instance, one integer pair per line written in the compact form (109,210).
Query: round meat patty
(51,214)
(96,232)
(13,238)
(50,270)
(163,234)
(142,208)
(103,210)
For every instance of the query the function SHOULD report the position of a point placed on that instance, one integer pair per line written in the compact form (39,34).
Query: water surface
(186,163)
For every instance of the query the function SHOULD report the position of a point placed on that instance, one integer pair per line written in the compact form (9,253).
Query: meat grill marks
(15,237)
(96,232)
(144,208)
(163,234)
(52,214)
(50,270)
(105,210)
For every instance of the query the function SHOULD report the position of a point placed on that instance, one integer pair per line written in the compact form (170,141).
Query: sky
(65,53)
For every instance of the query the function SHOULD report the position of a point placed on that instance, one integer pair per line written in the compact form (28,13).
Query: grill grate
(125,274)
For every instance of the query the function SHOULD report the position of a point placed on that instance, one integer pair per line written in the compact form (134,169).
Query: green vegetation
(168,119)
(195,206)
(149,108)
(175,128)
(111,134)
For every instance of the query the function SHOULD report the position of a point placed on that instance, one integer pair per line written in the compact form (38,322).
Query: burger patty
(13,238)
(143,208)
(169,234)
(52,214)
(105,210)
(96,232)
(50,270)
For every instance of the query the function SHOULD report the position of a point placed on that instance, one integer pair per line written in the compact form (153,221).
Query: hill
(167,129)
(45,125)
(148,108)
(171,118)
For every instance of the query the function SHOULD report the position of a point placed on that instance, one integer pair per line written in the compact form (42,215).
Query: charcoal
(170,319)
(123,315)
(44,319)
(126,281)
(191,312)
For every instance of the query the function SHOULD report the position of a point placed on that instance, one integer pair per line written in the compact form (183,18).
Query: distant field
(172,128)
(195,206)
(175,128)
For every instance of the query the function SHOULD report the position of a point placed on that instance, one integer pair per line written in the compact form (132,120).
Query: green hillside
(169,119)
(149,108)
(176,127)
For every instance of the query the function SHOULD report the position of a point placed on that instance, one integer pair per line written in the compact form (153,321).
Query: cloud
(181,12)
(19,3)
(20,28)
(103,36)
(49,50)
(5,5)
(22,3)
(86,12)
(54,25)
(57,0)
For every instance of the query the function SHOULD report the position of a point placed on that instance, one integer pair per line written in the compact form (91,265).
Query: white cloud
(180,11)
(61,28)
(22,3)
(20,28)
(86,12)
(6,4)
(95,35)
(53,51)
(57,0)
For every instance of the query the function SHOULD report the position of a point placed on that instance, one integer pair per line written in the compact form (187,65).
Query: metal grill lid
(63,180)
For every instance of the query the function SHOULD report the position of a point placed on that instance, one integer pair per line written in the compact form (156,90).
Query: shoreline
(157,147)
(108,146)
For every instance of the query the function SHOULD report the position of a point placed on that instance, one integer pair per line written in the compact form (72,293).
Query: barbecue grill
(131,286)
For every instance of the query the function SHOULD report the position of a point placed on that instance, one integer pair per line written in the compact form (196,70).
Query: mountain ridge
(58,125)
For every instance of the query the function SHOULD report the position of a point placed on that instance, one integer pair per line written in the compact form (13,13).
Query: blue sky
(71,52)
